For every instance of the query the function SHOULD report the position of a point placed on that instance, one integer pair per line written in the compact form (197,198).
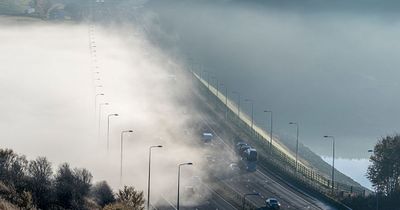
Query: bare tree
(131,198)
(40,178)
(102,193)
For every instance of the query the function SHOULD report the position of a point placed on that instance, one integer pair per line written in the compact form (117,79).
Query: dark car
(272,203)
(239,144)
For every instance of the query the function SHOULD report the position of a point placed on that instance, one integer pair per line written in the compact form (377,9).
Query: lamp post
(122,145)
(297,139)
(179,179)
(100,105)
(270,134)
(333,161)
(148,180)
(208,78)
(252,112)
(108,129)
(376,189)
(98,86)
(217,85)
(248,194)
(226,100)
(95,100)
(238,104)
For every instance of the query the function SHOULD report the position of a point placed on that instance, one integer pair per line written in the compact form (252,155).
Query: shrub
(102,194)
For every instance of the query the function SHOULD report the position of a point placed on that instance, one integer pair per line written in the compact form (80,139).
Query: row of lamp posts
(251,102)
(99,107)
(149,170)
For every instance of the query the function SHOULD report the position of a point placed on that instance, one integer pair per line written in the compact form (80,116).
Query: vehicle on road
(272,203)
(207,137)
(239,145)
(248,156)
(234,167)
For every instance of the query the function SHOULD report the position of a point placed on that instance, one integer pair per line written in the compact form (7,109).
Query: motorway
(220,155)
(264,182)
(212,200)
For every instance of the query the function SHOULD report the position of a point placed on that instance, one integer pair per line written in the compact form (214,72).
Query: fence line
(276,155)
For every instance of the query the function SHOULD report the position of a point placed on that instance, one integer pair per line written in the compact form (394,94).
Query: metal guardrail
(233,196)
(278,159)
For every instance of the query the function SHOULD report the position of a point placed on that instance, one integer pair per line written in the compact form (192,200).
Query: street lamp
(95,100)
(122,145)
(376,189)
(252,111)
(208,78)
(297,139)
(270,134)
(179,179)
(108,129)
(238,104)
(217,86)
(148,180)
(248,194)
(333,159)
(226,100)
(100,105)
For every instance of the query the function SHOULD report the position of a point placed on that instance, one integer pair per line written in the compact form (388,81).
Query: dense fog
(331,66)
(49,80)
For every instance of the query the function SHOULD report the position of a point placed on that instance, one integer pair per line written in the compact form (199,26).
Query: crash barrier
(232,196)
(276,157)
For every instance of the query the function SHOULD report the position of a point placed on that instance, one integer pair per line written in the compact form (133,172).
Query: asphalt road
(213,201)
(266,183)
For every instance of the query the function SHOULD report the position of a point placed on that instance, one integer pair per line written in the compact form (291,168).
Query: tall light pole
(248,194)
(297,139)
(217,85)
(122,146)
(108,129)
(333,161)
(100,105)
(208,78)
(252,112)
(148,180)
(376,189)
(226,100)
(95,100)
(238,103)
(270,134)
(179,180)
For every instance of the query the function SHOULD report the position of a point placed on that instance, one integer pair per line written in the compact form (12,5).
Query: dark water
(354,168)
(332,68)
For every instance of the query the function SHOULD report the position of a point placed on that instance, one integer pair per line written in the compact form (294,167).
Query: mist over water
(332,67)
(49,82)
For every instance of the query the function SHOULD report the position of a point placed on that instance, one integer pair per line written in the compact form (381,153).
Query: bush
(131,198)
(40,182)
(102,194)
(72,186)
(117,206)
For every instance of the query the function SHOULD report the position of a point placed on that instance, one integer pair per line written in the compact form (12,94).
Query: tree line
(384,174)
(34,185)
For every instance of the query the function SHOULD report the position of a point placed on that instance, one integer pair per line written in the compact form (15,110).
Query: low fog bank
(49,83)
(333,68)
